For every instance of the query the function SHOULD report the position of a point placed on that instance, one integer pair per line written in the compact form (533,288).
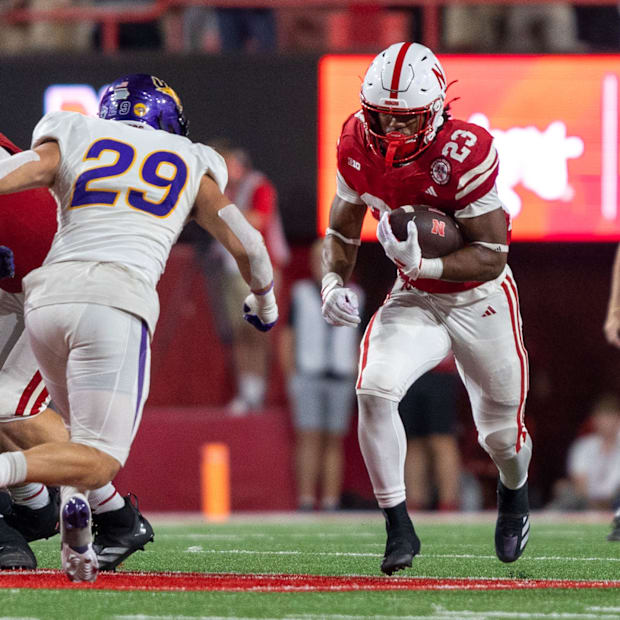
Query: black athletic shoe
(614,535)
(119,533)
(38,523)
(14,550)
(512,529)
(5,503)
(402,542)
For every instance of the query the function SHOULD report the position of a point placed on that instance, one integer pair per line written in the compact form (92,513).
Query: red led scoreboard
(555,123)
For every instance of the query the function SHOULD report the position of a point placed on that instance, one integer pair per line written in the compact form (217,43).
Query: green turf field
(451,548)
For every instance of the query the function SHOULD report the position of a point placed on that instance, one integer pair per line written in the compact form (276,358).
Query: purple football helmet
(142,98)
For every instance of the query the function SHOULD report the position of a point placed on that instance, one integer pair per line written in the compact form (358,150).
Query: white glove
(261,311)
(406,255)
(340,305)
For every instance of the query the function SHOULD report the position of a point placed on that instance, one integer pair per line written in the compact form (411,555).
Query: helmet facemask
(400,147)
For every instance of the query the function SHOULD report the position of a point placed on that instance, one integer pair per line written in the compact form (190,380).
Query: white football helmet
(405,81)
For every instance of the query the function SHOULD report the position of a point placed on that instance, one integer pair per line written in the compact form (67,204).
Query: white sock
(105,499)
(252,389)
(34,495)
(13,468)
(383,444)
(513,468)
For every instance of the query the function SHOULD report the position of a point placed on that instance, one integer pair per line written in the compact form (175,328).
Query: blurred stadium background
(556,100)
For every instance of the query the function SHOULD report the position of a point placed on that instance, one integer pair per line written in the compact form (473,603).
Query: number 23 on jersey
(170,179)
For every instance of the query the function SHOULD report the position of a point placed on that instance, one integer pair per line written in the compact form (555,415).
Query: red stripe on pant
(516,330)
(37,403)
(27,393)
(365,350)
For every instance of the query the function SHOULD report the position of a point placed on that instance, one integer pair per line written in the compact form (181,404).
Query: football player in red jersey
(403,148)
(27,225)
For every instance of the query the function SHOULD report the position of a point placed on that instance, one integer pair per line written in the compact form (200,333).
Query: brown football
(438,233)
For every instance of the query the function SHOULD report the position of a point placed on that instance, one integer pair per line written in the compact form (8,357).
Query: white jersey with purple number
(123,190)
(124,195)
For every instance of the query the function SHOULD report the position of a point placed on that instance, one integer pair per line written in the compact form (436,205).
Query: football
(438,233)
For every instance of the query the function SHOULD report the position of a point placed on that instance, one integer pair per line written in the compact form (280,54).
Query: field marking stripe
(438,615)
(177,581)
(194,549)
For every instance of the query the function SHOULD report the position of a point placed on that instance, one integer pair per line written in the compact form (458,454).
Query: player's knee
(380,379)
(501,443)
(373,407)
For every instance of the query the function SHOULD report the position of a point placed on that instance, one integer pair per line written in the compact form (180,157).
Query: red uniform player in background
(27,226)
(402,148)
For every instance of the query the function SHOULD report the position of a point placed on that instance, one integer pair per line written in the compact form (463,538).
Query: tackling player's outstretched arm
(340,305)
(222,219)
(29,169)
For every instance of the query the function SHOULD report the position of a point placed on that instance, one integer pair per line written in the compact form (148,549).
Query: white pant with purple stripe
(95,361)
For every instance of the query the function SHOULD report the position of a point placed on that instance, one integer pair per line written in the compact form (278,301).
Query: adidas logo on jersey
(489,311)
(431,190)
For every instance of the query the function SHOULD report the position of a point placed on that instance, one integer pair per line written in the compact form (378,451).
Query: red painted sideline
(50,579)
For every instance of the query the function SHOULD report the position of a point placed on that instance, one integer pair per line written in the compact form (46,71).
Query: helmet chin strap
(394,142)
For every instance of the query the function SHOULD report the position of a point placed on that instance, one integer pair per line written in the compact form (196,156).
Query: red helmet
(406,82)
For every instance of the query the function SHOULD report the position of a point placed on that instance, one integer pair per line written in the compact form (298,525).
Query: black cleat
(15,553)
(35,524)
(512,529)
(119,533)
(402,542)
(5,503)
(614,535)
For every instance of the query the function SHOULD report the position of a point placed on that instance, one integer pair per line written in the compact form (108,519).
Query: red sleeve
(476,175)
(28,225)
(348,153)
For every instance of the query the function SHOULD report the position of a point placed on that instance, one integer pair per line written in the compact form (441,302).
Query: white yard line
(374,516)
(312,535)
(199,549)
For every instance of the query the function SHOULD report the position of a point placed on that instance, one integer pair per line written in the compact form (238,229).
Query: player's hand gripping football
(7,262)
(340,305)
(261,310)
(406,254)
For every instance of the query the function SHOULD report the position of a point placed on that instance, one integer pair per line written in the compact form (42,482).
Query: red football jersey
(459,167)
(27,226)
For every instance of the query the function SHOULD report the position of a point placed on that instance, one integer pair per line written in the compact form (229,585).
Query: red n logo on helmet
(441,78)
